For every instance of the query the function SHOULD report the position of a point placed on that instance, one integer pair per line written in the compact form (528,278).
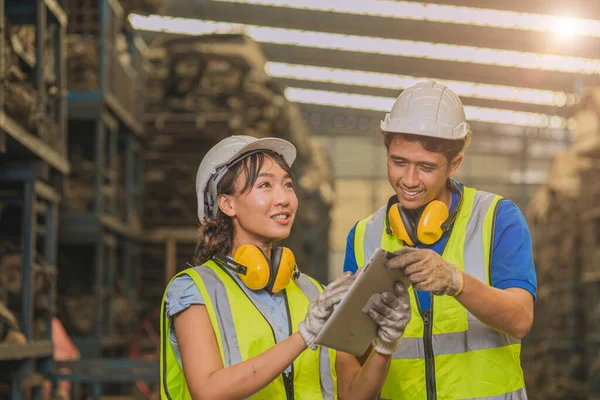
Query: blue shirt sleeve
(512,258)
(350,259)
(181,294)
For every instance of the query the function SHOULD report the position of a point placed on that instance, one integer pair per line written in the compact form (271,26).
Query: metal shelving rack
(2,75)
(118,83)
(24,184)
(105,125)
(32,168)
(49,146)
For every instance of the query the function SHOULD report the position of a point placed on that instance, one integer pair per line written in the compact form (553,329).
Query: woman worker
(239,325)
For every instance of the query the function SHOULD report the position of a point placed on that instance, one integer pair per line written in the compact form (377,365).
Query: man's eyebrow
(427,164)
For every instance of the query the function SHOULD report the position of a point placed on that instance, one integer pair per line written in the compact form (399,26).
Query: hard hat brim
(425,128)
(276,145)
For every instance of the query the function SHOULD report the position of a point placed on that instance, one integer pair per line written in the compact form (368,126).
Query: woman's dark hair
(450,148)
(216,234)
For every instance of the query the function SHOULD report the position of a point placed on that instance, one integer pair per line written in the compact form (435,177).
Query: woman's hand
(321,308)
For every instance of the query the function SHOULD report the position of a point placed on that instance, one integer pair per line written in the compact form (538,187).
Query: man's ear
(454,164)
(227,204)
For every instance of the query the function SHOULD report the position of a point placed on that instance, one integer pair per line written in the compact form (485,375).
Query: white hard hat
(428,109)
(215,164)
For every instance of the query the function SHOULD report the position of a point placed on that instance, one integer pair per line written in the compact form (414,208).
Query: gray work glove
(428,271)
(391,311)
(321,308)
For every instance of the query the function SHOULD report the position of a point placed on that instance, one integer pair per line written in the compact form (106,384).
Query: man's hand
(428,271)
(321,308)
(391,311)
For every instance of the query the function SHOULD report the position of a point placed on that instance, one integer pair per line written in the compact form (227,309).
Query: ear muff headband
(231,264)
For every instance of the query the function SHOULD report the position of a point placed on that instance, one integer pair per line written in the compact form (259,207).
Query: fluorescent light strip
(400,82)
(443,13)
(384,104)
(371,45)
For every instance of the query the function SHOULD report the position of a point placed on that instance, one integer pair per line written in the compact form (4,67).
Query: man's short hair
(450,148)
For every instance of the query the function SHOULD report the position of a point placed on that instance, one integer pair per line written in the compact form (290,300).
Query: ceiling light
(384,104)
(371,45)
(441,13)
(566,27)
(400,82)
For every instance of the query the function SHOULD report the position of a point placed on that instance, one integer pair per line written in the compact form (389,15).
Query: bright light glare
(400,82)
(371,45)
(442,13)
(566,28)
(384,104)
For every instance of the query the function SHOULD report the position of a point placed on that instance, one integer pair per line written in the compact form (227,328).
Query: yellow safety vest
(446,353)
(230,311)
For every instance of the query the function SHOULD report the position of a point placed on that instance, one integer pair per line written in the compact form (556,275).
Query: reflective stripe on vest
(314,371)
(470,359)
(520,394)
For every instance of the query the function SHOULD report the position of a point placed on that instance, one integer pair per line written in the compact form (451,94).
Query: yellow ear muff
(258,271)
(429,229)
(285,272)
(398,226)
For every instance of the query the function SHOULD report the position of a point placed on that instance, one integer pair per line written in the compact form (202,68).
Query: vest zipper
(288,378)
(428,346)
(288,394)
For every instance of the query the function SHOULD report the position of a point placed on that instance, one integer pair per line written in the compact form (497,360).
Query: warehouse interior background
(108,106)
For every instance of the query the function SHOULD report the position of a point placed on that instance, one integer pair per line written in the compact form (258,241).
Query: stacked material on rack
(11,284)
(552,341)
(201,90)
(79,188)
(20,99)
(560,354)
(78,313)
(82,63)
(93,40)
(9,327)
(587,121)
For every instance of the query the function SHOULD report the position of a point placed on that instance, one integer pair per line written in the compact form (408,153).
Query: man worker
(466,252)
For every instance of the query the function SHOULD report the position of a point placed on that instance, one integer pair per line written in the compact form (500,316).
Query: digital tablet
(349,329)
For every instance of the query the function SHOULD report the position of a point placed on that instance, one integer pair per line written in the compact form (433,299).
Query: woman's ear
(227,204)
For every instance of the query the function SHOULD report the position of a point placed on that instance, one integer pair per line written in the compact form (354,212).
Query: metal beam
(33,349)
(395,28)
(427,68)
(34,144)
(393,93)
(580,8)
(419,67)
